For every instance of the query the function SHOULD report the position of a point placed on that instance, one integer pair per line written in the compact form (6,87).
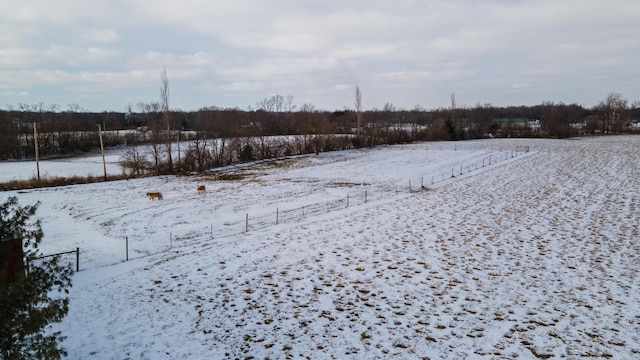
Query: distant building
(516,126)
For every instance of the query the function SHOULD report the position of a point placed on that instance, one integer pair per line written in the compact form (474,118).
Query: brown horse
(154,195)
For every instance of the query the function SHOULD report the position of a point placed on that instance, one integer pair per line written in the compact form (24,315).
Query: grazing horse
(154,195)
(201,189)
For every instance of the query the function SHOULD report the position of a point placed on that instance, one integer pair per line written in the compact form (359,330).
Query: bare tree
(166,116)
(358,104)
(197,157)
(453,107)
(613,113)
(276,104)
(74,108)
(155,148)
(266,104)
(308,107)
(151,107)
(279,102)
(133,160)
(153,134)
(290,105)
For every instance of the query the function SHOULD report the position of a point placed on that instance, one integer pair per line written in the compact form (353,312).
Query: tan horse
(201,189)
(154,195)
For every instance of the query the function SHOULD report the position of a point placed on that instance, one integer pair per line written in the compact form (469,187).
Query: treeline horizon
(75,131)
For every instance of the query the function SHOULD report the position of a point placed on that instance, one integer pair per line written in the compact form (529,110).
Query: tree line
(277,127)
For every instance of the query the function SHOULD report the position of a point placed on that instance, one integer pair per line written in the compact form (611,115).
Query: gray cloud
(106,54)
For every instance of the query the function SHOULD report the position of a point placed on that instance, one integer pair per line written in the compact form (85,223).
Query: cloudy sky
(104,55)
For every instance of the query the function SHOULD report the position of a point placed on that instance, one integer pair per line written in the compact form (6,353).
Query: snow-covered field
(86,165)
(520,255)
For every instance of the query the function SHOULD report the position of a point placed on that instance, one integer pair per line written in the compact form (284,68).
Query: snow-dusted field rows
(535,256)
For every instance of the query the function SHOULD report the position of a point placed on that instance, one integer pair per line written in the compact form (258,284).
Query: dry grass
(286,163)
(224,176)
(345,184)
(34,183)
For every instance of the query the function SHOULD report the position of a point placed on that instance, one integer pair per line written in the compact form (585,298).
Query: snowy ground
(520,255)
(86,165)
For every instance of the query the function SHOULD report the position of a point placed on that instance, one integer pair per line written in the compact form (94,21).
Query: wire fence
(72,261)
(354,198)
(178,238)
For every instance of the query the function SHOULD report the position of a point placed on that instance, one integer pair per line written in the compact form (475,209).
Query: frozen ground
(536,255)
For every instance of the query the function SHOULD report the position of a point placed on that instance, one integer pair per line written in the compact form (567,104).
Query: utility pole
(104,164)
(35,141)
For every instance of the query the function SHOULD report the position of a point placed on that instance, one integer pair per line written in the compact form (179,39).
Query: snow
(87,165)
(534,254)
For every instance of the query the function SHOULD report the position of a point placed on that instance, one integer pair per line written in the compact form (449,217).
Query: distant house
(395,126)
(578,125)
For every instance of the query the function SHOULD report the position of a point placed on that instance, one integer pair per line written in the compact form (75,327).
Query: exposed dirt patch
(285,163)
(227,176)
(345,184)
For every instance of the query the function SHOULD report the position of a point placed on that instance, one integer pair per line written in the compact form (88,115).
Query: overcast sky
(104,55)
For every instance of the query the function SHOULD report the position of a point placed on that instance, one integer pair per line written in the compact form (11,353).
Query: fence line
(298,214)
(76,251)
(280,216)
